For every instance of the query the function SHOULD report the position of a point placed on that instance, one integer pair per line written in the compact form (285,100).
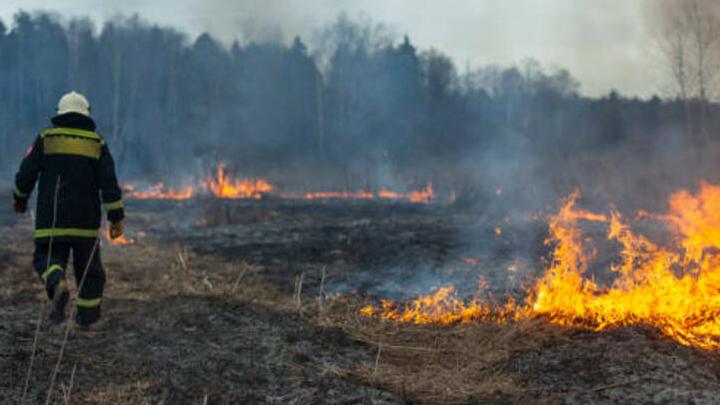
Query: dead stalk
(615,385)
(182,260)
(237,281)
(41,316)
(298,291)
(44,305)
(186,270)
(67,393)
(48,398)
(321,294)
(377,359)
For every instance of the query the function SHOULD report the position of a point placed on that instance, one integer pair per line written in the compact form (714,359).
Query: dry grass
(437,364)
(522,362)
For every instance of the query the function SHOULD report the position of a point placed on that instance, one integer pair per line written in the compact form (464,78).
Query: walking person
(74,170)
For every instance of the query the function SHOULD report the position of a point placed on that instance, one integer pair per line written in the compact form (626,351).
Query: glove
(19,206)
(116,229)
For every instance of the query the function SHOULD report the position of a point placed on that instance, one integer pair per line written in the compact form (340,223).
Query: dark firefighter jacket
(74,166)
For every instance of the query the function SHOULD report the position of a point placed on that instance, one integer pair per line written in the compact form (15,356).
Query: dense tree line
(365,109)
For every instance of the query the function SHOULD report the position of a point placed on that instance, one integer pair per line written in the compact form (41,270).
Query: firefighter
(75,171)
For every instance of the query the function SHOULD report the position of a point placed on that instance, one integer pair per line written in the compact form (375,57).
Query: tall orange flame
(223,186)
(674,288)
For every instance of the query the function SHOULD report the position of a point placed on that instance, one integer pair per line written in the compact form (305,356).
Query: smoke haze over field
(604,43)
(353,104)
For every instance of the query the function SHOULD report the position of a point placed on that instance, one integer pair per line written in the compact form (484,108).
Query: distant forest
(365,109)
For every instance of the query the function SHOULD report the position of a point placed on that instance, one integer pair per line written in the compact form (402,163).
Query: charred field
(367,203)
(224,301)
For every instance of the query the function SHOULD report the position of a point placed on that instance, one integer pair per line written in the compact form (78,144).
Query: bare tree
(704,21)
(687,33)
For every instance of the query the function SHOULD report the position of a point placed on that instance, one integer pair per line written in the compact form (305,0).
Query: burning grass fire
(424,196)
(674,288)
(222,185)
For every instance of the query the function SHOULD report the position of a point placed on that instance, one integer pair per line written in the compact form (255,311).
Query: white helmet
(73,102)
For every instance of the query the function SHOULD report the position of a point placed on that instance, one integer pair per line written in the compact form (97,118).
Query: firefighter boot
(60,299)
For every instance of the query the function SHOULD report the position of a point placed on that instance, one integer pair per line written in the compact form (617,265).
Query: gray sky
(604,43)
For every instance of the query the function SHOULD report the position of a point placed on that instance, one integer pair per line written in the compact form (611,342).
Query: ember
(423,196)
(122,240)
(345,195)
(685,307)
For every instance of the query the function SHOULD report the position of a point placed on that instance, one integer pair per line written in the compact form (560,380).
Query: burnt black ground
(390,250)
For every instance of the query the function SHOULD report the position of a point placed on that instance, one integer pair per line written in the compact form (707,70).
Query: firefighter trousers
(51,263)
